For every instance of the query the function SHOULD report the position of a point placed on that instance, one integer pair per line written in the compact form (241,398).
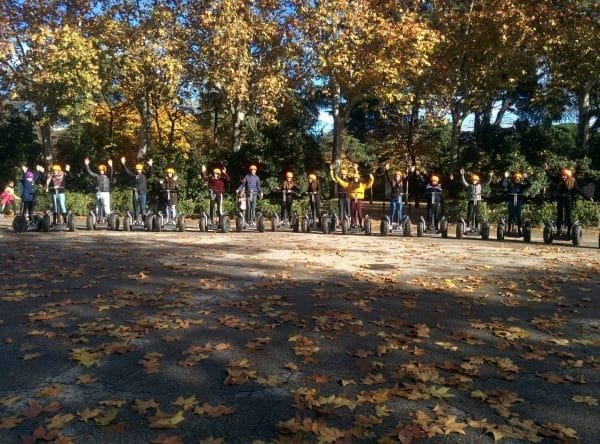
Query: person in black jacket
(289,190)
(433,197)
(515,188)
(565,193)
(170,187)
(102,187)
(140,187)
(313,189)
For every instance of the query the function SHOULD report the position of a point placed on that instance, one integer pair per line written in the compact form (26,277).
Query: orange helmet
(56,168)
(102,168)
(566,172)
(312,176)
(435,179)
(289,175)
(216,170)
(474,177)
(517,176)
(139,167)
(253,167)
(398,173)
(170,170)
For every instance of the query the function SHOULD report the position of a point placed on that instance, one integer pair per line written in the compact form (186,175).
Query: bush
(587,213)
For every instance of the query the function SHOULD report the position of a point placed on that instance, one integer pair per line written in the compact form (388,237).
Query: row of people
(350,193)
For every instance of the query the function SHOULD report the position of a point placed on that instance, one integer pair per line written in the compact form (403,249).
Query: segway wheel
(112,222)
(260,224)
(304,225)
(334,222)
(420,228)
(181,223)
(500,232)
(444,228)
(71,221)
(157,223)
(19,224)
(225,224)
(346,226)
(384,226)
(406,226)
(527,232)
(239,224)
(46,223)
(368,225)
(296,225)
(326,224)
(89,222)
(459,230)
(577,235)
(485,230)
(548,233)
(127,223)
(275,223)
(203,223)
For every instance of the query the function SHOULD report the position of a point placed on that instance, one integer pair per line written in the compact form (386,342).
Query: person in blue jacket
(251,186)
(29,190)
(140,187)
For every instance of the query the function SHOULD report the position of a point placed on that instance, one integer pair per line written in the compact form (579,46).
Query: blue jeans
(139,203)
(396,208)
(58,203)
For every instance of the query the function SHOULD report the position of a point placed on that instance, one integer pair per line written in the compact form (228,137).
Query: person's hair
(570,182)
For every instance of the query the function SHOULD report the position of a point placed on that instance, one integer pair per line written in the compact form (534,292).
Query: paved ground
(188,337)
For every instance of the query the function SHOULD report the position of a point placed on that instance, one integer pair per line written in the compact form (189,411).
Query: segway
(404,228)
(138,224)
(311,222)
(502,231)
(434,228)
(293,224)
(257,224)
(552,233)
(473,228)
(348,228)
(51,222)
(21,224)
(221,223)
(162,223)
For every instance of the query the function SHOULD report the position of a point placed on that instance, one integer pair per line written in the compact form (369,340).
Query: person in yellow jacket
(356,191)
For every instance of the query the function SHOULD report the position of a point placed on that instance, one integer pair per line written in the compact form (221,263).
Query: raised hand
(123,160)
(110,163)
(462,171)
(506,174)
(67,168)
(387,166)
(86,161)
(150,162)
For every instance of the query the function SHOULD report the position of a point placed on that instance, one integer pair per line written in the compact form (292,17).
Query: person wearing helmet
(314,192)
(251,186)
(397,191)
(56,183)
(289,190)
(342,194)
(415,182)
(140,187)
(565,193)
(170,187)
(433,195)
(102,187)
(29,190)
(217,182)
(474,190)
(9,198)
(515,187)
(356,191)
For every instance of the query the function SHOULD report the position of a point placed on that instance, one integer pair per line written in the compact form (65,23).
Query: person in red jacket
(217,182)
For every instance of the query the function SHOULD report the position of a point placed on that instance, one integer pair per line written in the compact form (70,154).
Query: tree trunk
(412,129)
(583,124)
(239,118)
(457,120)
(143,106)
(506,102)
(46,133)
(339,123)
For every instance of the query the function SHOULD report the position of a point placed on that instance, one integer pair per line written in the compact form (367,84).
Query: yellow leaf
(163,420)
(107,417)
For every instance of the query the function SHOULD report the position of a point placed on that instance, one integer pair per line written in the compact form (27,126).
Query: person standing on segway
(170,187)
(289,190)
(474,191)
(57,182)
(251,186)
(29,191)
(140,187)
(566,191)
(342,194)
(433,196)
(314,194)
(397,191)
(515,188)
(356,190)
(102,187)
(216,185)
